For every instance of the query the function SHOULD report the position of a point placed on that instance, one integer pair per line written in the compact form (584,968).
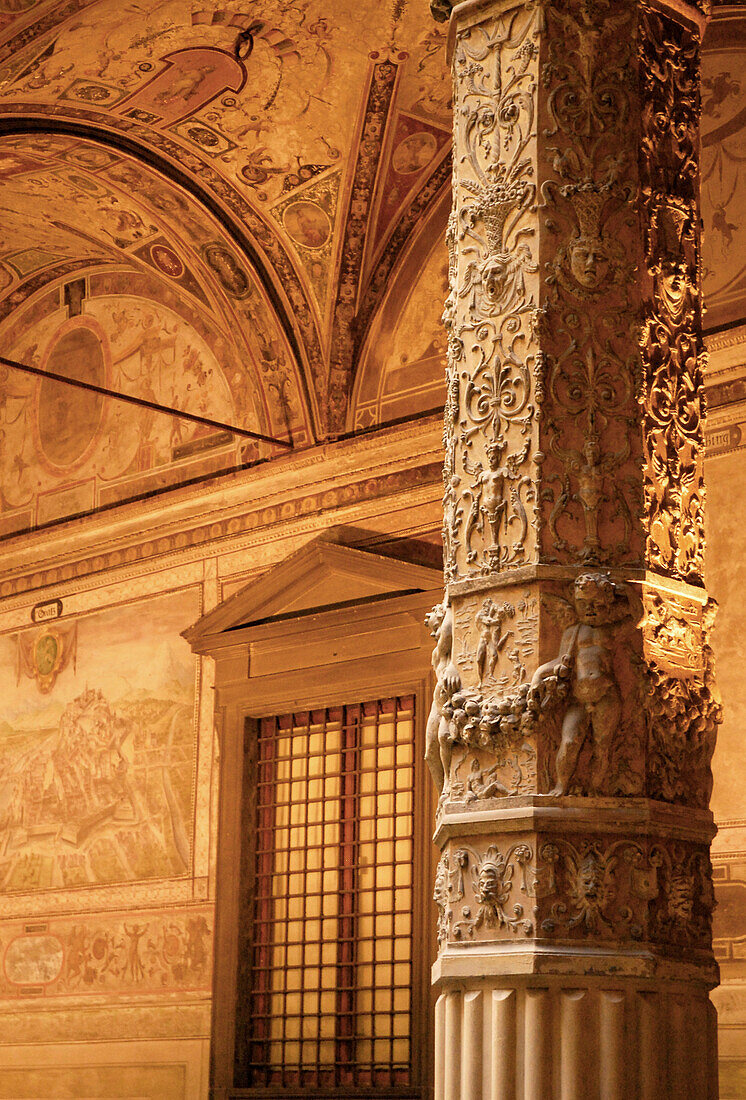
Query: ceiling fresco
(64,453)
(319,141)
(101,249)
(69,203)
(403,362)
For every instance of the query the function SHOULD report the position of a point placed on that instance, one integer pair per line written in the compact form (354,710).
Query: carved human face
(674,288)
(495,272)
(593,602)
(589,876)
(589,262)
(494,453)
(591,452)
(434,619)
(489,881)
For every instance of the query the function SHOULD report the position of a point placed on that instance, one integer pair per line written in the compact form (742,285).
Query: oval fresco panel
(33,960)
(308,224)
(69,418)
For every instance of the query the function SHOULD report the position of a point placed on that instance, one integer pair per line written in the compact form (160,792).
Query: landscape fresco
(96,773)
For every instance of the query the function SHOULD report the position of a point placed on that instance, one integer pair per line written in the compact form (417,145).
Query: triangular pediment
(323,575)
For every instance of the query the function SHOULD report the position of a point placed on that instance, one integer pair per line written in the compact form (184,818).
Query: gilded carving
(671,338)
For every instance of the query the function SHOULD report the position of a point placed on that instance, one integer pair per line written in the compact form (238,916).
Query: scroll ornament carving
(682,719)
(671,340)
(492,879)
(591,483)
(657,892)
(490,311)
(449,889)
(683,707)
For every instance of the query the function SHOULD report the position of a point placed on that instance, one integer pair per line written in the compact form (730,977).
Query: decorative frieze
(589,888)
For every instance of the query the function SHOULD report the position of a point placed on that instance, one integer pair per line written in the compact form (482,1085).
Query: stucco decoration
(573,534)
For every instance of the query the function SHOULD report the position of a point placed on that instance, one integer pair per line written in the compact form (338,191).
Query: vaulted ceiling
(281,146)
(244,203)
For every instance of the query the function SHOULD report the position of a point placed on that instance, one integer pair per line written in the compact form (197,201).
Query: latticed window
(328,965)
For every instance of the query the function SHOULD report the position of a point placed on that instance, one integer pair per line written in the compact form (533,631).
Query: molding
(320,576)
(325,479)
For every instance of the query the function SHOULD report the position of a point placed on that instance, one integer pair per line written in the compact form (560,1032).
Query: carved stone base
(574,1038)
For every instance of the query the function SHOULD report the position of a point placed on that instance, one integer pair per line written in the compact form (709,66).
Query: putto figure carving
(591,470)
(438,741)
(595,702)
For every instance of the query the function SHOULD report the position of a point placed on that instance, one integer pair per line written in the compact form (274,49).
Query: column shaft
(575,711)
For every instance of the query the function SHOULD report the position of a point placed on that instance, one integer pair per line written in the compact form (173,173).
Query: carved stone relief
(586,657)
(490,312)
(573,440)
(672,348)
(585,887)
(497,638)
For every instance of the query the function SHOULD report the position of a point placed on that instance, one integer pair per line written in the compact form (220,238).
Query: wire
(142,403)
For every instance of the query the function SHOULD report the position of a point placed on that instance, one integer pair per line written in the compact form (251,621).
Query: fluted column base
(568,1038)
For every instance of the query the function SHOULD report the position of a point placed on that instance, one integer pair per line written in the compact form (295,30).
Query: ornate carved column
(574,717)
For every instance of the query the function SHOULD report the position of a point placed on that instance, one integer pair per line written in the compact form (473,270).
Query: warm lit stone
(574,717)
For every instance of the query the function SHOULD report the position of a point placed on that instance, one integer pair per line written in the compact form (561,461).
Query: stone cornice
(322,478)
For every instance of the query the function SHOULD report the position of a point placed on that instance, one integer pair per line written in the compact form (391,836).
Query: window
(325,998)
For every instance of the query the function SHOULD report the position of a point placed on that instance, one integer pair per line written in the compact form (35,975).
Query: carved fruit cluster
(495,724)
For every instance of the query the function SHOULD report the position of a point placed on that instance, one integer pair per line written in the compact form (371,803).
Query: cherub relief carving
(588,647)
(438,741)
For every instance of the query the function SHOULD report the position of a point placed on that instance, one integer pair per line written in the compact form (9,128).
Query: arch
(33,125)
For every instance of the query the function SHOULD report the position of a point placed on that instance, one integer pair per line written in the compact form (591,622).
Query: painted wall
(108,760)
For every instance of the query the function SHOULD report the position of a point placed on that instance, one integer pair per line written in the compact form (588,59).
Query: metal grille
(331,959)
